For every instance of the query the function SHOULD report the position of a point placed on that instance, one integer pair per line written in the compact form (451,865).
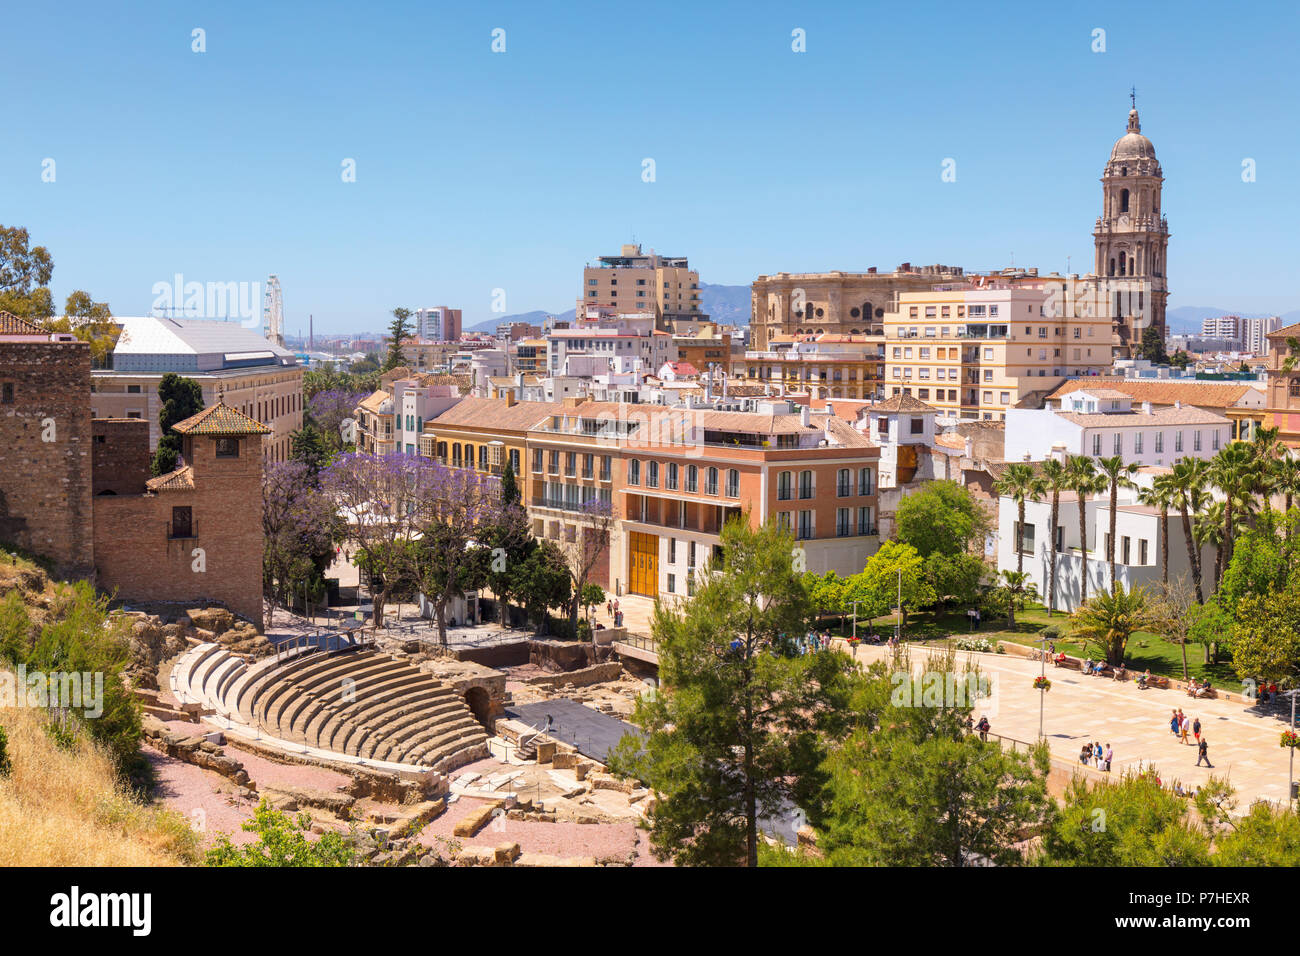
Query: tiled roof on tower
(221,419)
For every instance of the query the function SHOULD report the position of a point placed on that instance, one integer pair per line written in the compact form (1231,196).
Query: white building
(1138,534)
(1102,422)
(414,404)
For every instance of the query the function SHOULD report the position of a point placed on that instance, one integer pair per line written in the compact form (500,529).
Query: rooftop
(220,419)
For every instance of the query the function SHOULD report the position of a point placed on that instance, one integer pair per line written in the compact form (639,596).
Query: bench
(1072,663)
(1158,680)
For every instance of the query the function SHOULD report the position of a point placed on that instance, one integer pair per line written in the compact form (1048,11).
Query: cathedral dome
(1133,145)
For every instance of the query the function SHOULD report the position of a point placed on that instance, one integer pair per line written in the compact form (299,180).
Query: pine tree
(399,331)
(181,398)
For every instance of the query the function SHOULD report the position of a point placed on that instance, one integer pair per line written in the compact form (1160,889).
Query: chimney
(805,417)
(510,399)
(1146,408)
(830,411)
(1178,403)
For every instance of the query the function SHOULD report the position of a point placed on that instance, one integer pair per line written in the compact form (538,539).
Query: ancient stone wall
(45,448)
(119,455)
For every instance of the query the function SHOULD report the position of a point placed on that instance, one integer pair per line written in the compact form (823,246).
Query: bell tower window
(1123,200)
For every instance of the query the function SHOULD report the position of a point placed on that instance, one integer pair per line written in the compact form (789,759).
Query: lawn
(1145,650)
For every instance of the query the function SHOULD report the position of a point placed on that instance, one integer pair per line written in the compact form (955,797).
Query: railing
(641,642)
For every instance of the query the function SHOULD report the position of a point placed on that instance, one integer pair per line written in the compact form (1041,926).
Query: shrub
(6,765)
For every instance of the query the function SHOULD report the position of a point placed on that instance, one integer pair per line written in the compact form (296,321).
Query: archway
(480,705)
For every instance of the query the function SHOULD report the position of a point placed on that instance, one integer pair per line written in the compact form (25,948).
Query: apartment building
(230,363)
(437,324)
(416,401)
(1242,403)
(632,281)
(376,422)
(484,434)
(673,476)
(703,347)
(974,353)
(824,365)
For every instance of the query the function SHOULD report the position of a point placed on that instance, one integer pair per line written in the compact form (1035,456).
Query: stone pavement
(1243,745)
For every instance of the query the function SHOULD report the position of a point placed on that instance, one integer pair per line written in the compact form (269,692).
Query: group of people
(1095,667)
(611,608)
(1093,755)
(1181,726)
(1267,691)
(1197,688)
(982,728)
(812,642)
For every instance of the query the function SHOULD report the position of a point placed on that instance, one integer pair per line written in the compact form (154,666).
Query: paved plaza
(1243,744)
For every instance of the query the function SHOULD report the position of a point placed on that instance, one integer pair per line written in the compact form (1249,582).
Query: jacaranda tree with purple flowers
(299,528)
(382,502)
(327,409)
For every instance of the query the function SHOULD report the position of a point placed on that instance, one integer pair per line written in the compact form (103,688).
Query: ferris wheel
(273,312)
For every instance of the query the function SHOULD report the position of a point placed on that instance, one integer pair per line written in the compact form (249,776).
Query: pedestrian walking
(1173,722)
(984,728)
(1110,755)
(1196,729)
(1185,729)
(1202,753)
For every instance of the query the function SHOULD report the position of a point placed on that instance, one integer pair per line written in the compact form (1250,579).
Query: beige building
(844,303)
(376,420)
(633,281)
(230,363)
(974,353)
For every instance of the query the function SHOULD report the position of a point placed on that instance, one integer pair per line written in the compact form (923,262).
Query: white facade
(1103,422)
(1137,551)
(415,404)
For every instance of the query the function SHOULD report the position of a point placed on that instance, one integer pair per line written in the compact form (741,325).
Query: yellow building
(635,282)
(485,433)
(973,353)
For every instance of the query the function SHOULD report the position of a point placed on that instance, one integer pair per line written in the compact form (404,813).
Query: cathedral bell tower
(1132,237)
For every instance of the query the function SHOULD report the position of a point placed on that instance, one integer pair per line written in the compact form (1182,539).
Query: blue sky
(478,170)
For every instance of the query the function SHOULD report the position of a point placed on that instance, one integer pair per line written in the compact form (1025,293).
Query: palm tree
(1161,495)
(1189,480)
(1116,474)
(1083,481)
(1055,479)
(1208,528)
(1286,479)
(1020,484)
(1110,619)
(1232,471)
(1013,584)
(1267,452)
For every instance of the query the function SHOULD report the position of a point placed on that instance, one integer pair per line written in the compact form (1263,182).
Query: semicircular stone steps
(356,705)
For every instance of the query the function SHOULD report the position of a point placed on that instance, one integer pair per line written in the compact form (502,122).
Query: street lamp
(1290,788)
(898,625)
(1042,689)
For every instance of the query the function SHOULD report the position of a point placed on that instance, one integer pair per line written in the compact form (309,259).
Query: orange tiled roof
(1204,394)
(221,419)
(182,479)
(11,324)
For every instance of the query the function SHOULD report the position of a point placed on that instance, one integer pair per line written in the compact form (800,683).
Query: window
(7,393)
(733,483)
(1178,441)
(1117,446)
(634,472)
(843,483)
(554,460)
(843,527)
(1137,443)
(918,426)
(711,484)
(1215,444)
(672,583)
(1096,445)
(783,490)
(1125,543)
(1028,546)
(672,550)
(1004,398)
(692,480)
(806,486)
(652,475)
(570,463)
(864,521)
(671,484)
(227,447)
(606,467)
(182,522)
(537,457)
(864,481)
(1196,440)
(1160,442)
(807,527)
(1142,551)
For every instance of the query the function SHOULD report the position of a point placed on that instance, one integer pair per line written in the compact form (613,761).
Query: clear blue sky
(478,171)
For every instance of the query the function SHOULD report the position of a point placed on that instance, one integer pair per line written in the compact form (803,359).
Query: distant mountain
(725,304)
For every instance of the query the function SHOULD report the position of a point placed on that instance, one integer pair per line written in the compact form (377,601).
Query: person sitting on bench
(1143,678)
(1059,659)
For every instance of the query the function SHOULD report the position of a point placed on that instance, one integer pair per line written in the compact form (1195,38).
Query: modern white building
(1103,422)
(415,403)
(1138,534)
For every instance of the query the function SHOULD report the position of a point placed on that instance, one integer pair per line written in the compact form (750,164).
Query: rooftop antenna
(1133,96)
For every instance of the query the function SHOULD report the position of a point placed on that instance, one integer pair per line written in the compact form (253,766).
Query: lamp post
(1042,690)
(898,626)
(1290,786)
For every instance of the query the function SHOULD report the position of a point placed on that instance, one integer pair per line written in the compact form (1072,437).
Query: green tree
(1266,635)
(1180,359)
(1116,474)
(281,841)
(399,332)
(894,572)
(1133,821)
(955,578)
(1021,484)
(25,272)
(308,445)
(1152,347)
(15,627)
(738,732)
(1188,481)
(910,787)
(509,485)
(181,398)
(1109,619)
(1162,495)
(942,517)
(1233,471)
(1084,482)
(1264,836)
(1055,478)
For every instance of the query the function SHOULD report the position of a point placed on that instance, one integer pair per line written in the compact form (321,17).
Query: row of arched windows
(652,473)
